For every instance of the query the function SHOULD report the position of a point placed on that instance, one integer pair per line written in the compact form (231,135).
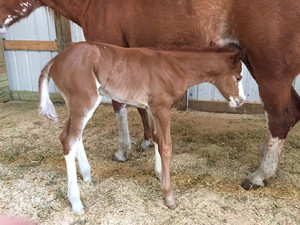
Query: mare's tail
(46,106)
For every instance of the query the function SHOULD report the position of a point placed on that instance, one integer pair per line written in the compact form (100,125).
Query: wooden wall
(4,86)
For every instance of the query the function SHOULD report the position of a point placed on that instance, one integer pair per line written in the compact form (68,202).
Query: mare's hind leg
(147,142)
(124,137)
(72,142)
(282,114)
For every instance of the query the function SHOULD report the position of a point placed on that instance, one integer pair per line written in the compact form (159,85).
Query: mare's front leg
(162,137)
(282,114)
(124,137)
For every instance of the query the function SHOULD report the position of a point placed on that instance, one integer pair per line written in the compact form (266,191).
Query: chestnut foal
(150,79)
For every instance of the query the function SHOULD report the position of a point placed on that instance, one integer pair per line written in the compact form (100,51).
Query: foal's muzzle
(236,102)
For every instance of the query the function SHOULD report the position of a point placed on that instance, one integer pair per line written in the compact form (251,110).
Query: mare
(146,78)
(267,29)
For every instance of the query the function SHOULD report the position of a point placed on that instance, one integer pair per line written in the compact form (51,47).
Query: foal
(149,79)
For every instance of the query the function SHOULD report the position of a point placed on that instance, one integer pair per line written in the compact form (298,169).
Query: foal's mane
(186,49)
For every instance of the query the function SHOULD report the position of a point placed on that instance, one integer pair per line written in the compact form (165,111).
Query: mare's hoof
(248,185)
(119,158)
(145,145)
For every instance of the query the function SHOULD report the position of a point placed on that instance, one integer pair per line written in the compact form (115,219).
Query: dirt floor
(212,153)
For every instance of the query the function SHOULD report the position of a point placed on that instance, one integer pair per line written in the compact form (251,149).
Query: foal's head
(229,79)
(12,11)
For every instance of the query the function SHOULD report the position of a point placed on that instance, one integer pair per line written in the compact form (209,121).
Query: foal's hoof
(145,145)
(77,207)
(170,202)
(248,185)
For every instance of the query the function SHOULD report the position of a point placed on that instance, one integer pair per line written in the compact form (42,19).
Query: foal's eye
(238,78)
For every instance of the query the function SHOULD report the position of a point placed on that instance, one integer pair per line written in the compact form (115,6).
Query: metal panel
(297,84)
(24,67)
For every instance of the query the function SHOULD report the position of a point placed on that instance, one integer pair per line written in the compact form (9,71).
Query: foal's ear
(238,55)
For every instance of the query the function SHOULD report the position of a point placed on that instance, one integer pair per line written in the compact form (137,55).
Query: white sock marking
(73,189)
(124,136)
(157,162)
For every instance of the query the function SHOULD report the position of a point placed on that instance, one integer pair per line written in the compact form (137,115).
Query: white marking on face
(238,101)
(232,102)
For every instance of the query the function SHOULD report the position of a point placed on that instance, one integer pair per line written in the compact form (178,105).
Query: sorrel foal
(149,79)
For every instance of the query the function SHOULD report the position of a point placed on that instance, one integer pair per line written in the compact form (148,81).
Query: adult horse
(267,29)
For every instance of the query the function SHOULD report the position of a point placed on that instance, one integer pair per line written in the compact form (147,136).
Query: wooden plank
(30,45)
(4,84)
(33,96)
(63,32)
(223,107)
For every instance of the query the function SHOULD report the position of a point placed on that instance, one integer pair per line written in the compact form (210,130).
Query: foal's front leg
(163,139)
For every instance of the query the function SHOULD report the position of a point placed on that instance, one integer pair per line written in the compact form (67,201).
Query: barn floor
(212,153)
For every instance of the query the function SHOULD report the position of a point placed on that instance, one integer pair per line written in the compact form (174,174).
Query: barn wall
(23,67)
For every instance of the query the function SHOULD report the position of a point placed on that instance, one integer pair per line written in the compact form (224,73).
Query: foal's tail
(46,106)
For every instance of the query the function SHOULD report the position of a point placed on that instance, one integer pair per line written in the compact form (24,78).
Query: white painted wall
(24,67)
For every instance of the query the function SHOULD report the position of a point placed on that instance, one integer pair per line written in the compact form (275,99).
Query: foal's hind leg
(71,141)
(84,166)
(147,142)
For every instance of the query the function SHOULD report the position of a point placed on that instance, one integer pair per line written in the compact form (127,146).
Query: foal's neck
(200,67)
